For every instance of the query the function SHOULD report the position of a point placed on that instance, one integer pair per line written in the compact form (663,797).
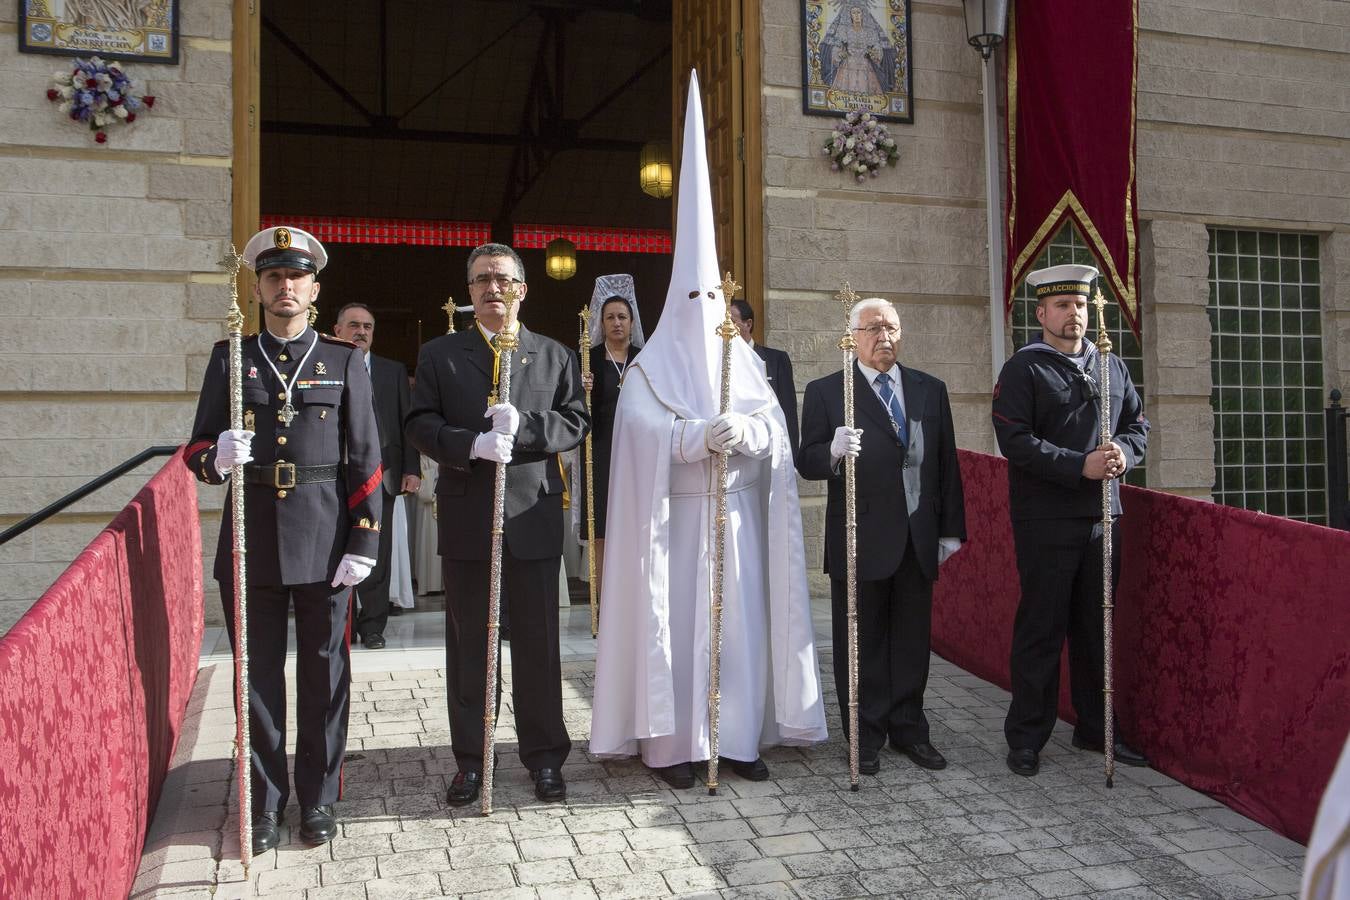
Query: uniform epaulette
(224,341)
(329,339)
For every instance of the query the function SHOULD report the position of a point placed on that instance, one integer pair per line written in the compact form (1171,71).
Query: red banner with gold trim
(1071,123)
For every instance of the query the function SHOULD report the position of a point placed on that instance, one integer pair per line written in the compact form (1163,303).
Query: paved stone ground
(972,830)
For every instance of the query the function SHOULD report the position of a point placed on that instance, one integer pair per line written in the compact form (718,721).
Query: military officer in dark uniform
(311,456)
(452,422)
(1047,414)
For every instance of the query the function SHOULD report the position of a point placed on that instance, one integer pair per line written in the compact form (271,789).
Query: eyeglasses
(891,331)
(500,281)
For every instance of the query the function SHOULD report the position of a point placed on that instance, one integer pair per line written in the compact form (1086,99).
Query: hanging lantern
(560,259)
(656,174)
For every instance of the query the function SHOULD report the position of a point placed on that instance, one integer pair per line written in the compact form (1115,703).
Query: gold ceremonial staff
(727,332)
(506,343)
(588,471)
(1108,623)
(849,345)
(234,323)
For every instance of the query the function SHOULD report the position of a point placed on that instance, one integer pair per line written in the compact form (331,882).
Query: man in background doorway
(389,381)
(777,367)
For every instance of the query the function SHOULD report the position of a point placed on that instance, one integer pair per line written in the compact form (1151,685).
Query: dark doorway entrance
(480,117)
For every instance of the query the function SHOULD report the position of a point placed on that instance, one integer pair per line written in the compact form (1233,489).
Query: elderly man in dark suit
(910,518)
(452,422)
(402,467)
(777,367)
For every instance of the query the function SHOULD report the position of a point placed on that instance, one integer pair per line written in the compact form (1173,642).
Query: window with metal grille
(1066,247)
(1266,360)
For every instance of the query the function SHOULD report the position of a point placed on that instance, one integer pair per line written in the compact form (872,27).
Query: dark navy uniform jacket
(296,535)
(1047,417)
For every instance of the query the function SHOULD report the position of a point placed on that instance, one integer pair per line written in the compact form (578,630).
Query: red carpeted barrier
(94,681)
(1232,640)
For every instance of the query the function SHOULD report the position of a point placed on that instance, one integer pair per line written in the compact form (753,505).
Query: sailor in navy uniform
(311,455)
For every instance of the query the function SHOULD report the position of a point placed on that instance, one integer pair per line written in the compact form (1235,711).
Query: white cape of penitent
(676,378)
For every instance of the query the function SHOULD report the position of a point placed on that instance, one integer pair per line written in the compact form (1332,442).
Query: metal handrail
(83,491)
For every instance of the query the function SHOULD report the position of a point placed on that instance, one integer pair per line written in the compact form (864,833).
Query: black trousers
(894,627)
(530,592)
(323,689)
(1060,564)
(374,591)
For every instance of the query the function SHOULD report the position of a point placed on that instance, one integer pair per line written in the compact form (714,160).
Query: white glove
(946,547)
(493,446)
(847,442)
(352,570)
(726,432)
(233,448)
(505,419)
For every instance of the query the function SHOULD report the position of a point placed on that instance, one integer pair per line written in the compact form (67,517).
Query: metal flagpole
(1108,623)
(234,322)
(588,471)
(727,332)
(850,346)
(506,343)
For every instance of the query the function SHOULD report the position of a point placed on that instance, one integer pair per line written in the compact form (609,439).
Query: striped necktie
(892,404)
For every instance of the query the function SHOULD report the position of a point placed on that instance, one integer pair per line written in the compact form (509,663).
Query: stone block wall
(1242,121)
(110,296)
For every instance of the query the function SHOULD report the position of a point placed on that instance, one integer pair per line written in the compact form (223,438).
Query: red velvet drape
(94,682)
(1232,640)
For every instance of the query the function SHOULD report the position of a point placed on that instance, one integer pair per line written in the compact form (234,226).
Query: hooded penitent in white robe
(1326,870)
(651,683)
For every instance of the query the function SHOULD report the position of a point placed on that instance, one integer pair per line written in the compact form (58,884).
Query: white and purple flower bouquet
(860,146)
(98,94)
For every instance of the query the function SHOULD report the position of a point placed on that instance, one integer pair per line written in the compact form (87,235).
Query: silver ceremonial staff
(727,332)
(849,345)
(506,344)
(588,471)
(1108,623)
(234,323)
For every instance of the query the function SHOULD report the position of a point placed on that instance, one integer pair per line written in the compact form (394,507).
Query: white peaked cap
(683,357)
(1065,279)
(607,287)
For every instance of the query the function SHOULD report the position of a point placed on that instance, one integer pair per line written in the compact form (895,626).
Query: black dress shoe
(1124,753)
(923,754)
(318,825)
(373,641)
(549,785)
(266,835)
(869,762)
(679,776)
(1024,761)
(395,610)
(464,788)
(750,771)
